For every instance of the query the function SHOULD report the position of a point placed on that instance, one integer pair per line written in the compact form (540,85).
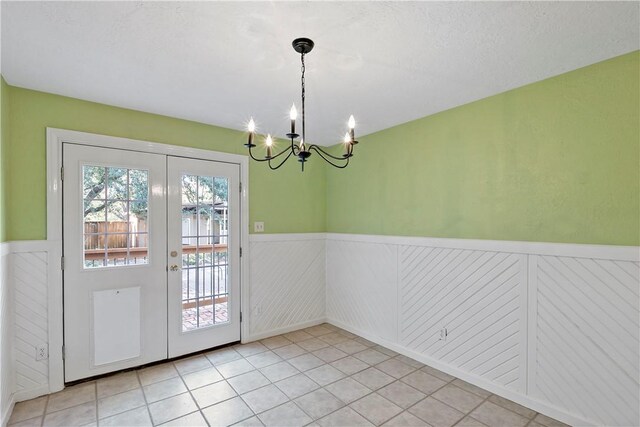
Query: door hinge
(241,252)
(62,263)
(240,317)
(62,173)
(240,187)
(63,353)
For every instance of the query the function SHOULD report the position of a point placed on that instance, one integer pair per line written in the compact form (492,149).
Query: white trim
(524,321)
(55,139)
(6,414)
(106,141)
(32,393)
(286,237)
(532,322)
(534,404)
(619,253)
(30,246)
(5,250)
(279,331)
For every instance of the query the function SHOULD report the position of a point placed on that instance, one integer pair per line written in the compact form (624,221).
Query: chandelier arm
(281,153)
(266,159)
(329,161)
(281,163)
(316,147)
(294,148)
(255,158)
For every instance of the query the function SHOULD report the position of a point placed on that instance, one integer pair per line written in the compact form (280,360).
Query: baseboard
(31,393)
(522,399)
(284,330)
(7,412)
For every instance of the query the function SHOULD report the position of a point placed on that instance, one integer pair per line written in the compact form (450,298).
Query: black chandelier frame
(303,151)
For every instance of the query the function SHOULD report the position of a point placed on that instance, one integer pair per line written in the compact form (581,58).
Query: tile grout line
(95,391)
(468,414)
(144,396)
(199,410)
(44,413)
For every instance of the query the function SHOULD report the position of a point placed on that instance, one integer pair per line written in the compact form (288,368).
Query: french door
(203,258)
(151,257)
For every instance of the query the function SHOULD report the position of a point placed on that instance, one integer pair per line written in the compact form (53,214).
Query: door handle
(174,267)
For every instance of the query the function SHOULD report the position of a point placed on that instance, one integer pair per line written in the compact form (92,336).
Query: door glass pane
(204,249)
(115,216)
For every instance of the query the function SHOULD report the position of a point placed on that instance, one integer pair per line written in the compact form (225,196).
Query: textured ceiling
(222,62)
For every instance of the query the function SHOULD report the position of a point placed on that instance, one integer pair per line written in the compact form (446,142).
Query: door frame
(55,139)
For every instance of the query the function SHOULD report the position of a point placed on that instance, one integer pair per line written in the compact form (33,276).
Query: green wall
(287,200)
(553,161)
(4,140)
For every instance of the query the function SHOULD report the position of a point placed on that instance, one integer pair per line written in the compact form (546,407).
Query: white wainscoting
(361,286)
(286,289)
(29,265)
(552,326)
(6,337)
(585,336)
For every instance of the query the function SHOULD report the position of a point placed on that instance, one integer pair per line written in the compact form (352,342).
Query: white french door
(203,256)
(151,257)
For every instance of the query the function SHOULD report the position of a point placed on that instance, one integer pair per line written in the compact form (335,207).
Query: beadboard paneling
(475,295)
(581,331)
(587,337)
(29,276)
(553,326)
(362,286)
(287,283)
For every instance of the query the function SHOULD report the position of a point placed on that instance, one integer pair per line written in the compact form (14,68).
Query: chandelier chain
(302,79)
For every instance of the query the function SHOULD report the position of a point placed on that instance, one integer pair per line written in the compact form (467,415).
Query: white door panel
(203,254)
(114,226)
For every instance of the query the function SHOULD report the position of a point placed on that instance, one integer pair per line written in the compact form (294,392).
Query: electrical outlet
(42,352)
(443,334)
(258,227)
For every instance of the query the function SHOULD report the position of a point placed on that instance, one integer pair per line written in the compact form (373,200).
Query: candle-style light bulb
(293,114)
(269,143)
(301,146)
(352,127)
(251,127)
(347,144)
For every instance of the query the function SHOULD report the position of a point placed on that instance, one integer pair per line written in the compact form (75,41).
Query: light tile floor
(317,376)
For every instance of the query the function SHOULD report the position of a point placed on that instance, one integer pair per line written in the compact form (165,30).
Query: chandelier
(302,150)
